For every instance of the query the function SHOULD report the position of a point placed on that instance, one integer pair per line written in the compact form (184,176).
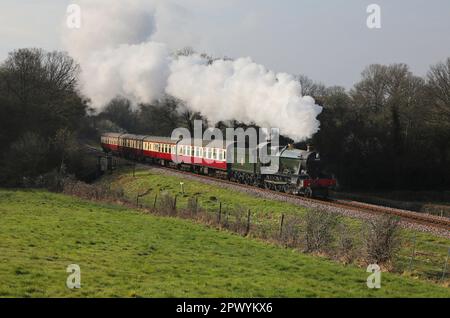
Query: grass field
(123,253)
(431,250)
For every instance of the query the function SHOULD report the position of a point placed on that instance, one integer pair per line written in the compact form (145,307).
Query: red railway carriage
(202,154)
(164,150)
(110,142)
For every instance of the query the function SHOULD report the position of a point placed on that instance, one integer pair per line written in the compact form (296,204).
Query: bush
(26,160)
(193,206)
(86,191)
(346,244)
(290,233)
(166,205)
(320,225)
(382,239)
(238,221)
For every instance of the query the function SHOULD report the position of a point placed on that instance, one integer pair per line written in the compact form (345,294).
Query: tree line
(390,131)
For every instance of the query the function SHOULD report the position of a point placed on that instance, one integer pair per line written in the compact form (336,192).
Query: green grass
(431,250)
(123,253)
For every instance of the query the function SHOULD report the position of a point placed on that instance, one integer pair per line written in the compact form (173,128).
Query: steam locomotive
(283,169)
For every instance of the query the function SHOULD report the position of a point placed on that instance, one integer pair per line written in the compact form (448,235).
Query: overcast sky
(327,40)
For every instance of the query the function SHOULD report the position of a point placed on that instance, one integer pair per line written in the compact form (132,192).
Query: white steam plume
(119,55)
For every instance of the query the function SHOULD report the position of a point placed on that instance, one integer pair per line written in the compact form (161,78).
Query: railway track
(405,215)
(410,216)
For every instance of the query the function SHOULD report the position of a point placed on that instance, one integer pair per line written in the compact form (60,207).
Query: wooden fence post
(281,225)
(413,254)
(196,205)
(248,223)
(444,270)
(220,212)
(156,198)
(175,203)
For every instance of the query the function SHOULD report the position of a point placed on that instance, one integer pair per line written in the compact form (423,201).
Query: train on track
(295,171)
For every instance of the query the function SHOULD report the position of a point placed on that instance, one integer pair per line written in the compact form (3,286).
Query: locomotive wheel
(309,193)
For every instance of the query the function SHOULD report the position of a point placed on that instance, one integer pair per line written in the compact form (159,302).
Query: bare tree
(310,88)
(439,89)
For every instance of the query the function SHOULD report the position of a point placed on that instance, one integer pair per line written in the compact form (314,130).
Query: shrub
(193,206)
(320,225)
(290,233)
(166,204)
(92,192)
(346,244)
(27,159)
(382,239)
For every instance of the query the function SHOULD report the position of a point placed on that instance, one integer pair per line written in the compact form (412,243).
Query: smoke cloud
(124,48)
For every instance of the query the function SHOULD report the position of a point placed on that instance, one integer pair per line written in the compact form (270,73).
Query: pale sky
(327,40)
